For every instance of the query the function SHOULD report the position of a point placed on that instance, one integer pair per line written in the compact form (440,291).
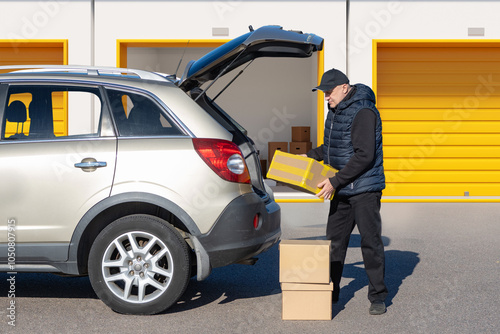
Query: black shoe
(377,307)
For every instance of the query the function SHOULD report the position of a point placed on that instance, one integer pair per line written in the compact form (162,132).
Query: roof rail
(88,70)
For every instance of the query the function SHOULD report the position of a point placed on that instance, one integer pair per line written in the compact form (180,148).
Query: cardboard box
(300,171)
(304,261)
(272,146)
(306,301)
(301,133)
(300,147)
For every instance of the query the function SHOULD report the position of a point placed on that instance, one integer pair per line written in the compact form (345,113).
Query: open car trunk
(267,41)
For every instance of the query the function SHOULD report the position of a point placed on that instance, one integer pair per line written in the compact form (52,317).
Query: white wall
(21,20)
(368,20)
(195,20)
(269,92)
(273,94)
(270,97)
(409,19)
(163,59)
(32,20)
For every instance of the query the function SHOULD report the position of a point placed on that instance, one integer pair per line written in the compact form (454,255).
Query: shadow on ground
(399,265)
(234,282)
(224,285)
(228,283)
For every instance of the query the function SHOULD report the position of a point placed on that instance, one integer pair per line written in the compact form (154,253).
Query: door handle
(90,164)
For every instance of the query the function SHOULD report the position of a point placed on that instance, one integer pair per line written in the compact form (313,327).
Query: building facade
(434,66)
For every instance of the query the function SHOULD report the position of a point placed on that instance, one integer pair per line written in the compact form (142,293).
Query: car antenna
(232,80)
(182,57)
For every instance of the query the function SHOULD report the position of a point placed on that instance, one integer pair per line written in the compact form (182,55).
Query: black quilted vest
(338,149)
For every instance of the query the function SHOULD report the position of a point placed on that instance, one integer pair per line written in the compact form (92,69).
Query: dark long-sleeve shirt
(363,142)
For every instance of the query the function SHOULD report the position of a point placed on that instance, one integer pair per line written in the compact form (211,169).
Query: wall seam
(347,7)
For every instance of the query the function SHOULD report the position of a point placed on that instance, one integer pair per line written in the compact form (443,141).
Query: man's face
(337,94)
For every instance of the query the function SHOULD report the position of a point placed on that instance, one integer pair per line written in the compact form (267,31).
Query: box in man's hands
(300,171)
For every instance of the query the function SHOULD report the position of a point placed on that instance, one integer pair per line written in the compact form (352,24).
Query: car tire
(139,264)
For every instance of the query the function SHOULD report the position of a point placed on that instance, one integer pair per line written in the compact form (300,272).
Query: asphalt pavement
(443,273)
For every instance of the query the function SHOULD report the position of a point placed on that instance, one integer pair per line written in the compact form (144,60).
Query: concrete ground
(443,270)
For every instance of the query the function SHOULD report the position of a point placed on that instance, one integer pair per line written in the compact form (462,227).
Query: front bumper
(233,237)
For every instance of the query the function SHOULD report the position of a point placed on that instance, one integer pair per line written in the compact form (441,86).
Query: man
(353,145)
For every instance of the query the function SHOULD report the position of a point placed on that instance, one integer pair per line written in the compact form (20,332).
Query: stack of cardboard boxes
(300,144)
(305,280)
(301,140)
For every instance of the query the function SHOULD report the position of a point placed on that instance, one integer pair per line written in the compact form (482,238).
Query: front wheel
(139,264)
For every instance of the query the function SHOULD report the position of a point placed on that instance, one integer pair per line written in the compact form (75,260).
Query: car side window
(138,115)
(40,112)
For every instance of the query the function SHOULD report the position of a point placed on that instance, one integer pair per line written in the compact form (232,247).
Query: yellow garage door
(440,106)
(37,53)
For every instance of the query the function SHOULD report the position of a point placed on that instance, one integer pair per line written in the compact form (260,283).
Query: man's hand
(326,189)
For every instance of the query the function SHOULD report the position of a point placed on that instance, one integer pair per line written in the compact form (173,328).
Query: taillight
(224,158)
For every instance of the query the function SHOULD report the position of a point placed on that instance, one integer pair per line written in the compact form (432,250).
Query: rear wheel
(139,264)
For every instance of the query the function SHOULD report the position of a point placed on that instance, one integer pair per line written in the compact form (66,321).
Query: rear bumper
(234,238)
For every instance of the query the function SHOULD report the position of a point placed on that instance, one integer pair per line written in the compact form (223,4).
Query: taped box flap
(306,287)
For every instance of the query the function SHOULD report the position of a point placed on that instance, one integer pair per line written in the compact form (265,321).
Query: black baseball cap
(331,79)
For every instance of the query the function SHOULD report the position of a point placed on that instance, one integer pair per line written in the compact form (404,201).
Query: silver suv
(144,184)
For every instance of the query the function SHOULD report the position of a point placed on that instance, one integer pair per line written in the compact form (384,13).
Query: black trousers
(362,210)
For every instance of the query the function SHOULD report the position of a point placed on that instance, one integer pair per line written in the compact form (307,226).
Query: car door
(51,173)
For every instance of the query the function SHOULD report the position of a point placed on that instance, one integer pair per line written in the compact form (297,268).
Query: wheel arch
(112,208)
